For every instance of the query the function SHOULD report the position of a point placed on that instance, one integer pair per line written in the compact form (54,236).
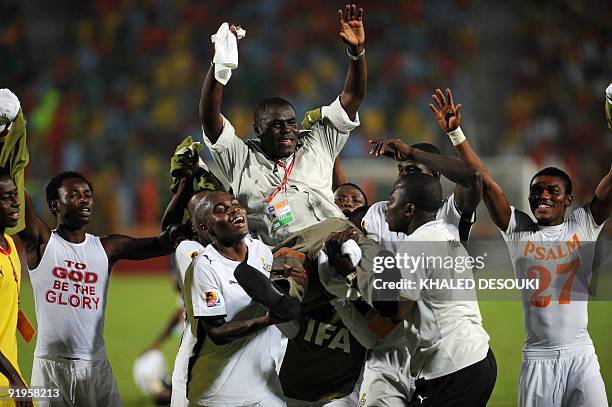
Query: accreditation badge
(280,214)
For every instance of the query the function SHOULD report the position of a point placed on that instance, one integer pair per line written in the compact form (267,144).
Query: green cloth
(14,157)
(186,154)
(311,118)
(608,108)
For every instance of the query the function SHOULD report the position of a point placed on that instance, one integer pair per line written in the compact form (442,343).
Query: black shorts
(469,387)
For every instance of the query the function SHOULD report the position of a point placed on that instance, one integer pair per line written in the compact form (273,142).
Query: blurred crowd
(109,87)
(555,113)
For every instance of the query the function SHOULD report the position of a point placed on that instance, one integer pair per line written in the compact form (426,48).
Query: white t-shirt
(445,326)
(242,372)
(185,254)
(70,286)
(254,177)
(561,257)
(377,228)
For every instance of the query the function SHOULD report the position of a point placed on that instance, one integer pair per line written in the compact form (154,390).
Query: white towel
(333,282)
(9,106)
(226,52)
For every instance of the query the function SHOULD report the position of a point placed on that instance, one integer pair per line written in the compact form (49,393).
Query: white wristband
(351,248)
(456,136)
(609,93)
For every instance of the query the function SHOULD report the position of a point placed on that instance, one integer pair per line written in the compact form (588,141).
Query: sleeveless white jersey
(377,228)
(560,257)
(70,286)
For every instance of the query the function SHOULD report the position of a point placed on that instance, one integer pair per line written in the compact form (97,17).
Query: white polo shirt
(254,177)
(242,372)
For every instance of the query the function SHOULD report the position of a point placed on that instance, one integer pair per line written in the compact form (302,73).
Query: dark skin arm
(601,205)
(469,181)
(494,197)
(210,103)
(222,332)
(341,263)
(36,234)
(121,247)
(7,369)
(338,176)
(353,35)
(176,207)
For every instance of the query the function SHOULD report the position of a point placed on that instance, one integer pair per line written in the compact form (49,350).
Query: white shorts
(350,400)
(559,378)
(386,379)
(272,400)
(82,383)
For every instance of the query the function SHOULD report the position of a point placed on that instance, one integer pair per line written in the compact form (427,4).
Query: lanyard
(283,183)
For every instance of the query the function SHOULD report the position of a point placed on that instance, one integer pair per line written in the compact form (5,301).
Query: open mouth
(86,211)
(286,141)
(238,220)
(14,216)
(542,207)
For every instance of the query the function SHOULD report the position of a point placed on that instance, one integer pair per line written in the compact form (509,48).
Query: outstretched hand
(447,114)
(351,27)
(394,148)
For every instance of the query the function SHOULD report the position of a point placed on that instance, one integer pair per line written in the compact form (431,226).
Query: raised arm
(338,176)
(469,182)
(178,203)
(210,102)
(449,117)
(210,106)
(36,234)
(353,35)
(601,205)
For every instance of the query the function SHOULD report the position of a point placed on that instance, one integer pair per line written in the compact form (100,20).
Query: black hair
(264,104)
(424,191)
(52,190)
(427,147)
(556,172)
(4,173)
(357,216)
(350,184)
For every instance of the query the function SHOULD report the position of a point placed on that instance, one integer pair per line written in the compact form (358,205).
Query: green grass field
(138,308)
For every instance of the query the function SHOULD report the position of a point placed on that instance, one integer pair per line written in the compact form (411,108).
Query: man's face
(278,131)
(348,198)
(396,215)
(9,203)
(225,219)
(410,166)
(548,199)
(75,204)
